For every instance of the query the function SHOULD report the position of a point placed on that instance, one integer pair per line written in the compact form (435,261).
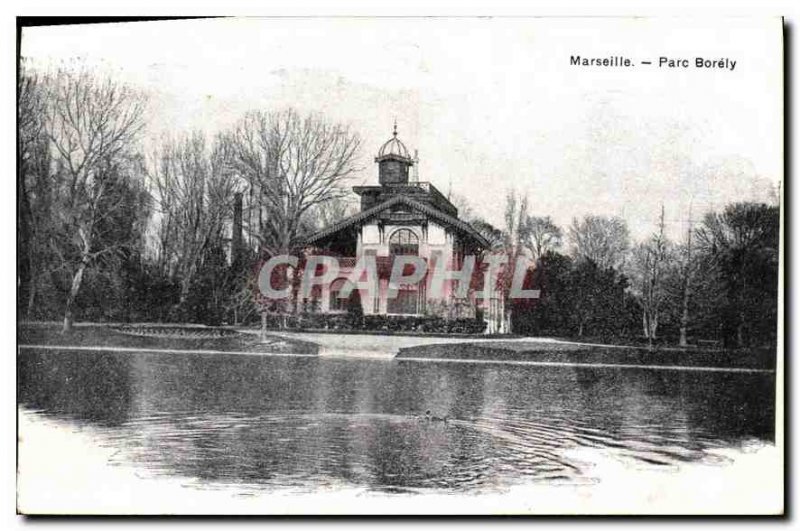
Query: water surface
(305,423)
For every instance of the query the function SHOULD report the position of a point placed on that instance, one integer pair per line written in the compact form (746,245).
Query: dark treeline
(718,285)
(110,231)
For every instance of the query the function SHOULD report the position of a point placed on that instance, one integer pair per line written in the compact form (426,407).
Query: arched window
(403,241)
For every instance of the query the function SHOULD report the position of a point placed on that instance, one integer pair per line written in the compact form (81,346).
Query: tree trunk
(77,280)
(740,331)
(184,296)
(180,309)
(654,325)
(684,326)
(741,319)
(31,297)
(684,316)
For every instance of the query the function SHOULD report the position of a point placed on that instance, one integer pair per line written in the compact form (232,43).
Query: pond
(305,423)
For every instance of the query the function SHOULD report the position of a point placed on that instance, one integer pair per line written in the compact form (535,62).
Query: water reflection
(307,422)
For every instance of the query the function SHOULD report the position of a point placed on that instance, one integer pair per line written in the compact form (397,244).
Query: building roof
(432,212)
(394,148)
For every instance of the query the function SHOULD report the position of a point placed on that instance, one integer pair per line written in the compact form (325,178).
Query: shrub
(387,323)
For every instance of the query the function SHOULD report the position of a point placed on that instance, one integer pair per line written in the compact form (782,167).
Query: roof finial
(394,133)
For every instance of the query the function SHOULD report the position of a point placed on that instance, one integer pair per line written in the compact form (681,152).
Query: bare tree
(92,124)
(293,163)
(648,271)
(33,184)
(687,271)
(465,210)
(602,240)
(30,113)
(541,236)
(515,216)
(331,211)
(194,193)
(496,237)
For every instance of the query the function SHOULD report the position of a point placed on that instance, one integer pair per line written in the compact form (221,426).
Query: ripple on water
(410,452)
(309,423)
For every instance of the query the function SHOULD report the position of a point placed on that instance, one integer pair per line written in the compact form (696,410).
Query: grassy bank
(545,352)
(105,336)
(382,333)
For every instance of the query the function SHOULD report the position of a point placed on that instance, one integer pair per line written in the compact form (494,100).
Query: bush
(386,323)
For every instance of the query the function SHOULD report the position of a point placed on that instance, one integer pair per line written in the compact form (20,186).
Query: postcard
(400,266)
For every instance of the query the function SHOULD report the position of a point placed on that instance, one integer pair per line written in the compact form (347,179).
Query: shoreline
(135,350)
(97,337)
(589,365)
(562,353)
(545,352)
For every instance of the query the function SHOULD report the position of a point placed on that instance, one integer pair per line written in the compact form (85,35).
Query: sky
(491,104)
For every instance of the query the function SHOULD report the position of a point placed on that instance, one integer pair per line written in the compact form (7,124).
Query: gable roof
(432,212)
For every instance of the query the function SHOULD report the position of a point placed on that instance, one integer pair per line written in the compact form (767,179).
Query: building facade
(403,216)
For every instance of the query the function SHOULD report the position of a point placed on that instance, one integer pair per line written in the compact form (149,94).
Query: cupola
(393,161)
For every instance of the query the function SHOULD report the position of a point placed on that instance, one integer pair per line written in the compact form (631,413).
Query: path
(381,347)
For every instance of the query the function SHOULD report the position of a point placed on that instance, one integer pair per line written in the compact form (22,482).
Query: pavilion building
(403,216)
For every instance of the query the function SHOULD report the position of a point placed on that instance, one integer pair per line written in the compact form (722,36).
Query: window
(403,242)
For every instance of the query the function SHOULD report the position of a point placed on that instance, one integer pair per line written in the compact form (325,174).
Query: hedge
(389,323)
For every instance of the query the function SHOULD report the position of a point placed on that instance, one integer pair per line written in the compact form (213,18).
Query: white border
(788,8)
